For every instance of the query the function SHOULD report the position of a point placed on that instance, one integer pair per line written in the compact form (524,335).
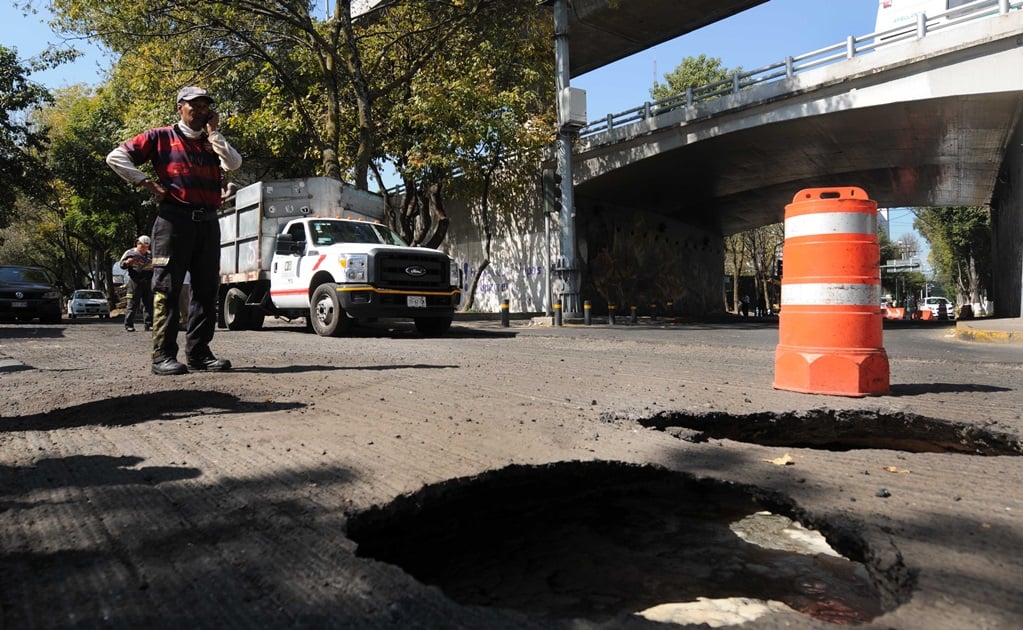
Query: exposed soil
(243,499)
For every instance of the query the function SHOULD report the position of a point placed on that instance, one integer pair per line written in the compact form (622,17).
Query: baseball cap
(191,92)
(143,240)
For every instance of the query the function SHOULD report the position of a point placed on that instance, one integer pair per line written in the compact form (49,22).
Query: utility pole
(567,268)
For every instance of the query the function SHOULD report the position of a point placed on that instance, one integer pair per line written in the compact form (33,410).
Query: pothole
(599,540)
(839,431)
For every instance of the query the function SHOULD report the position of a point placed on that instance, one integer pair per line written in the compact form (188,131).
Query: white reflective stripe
(830,294)
(831,223)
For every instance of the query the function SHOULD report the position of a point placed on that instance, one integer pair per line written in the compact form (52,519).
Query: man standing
(188,159)
(138,262)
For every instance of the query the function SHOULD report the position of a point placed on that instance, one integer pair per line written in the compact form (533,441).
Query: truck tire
(234,309)
(326,314)
(433,326)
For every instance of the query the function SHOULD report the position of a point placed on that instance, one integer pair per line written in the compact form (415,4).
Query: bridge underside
(927,122)
(939,152)
(603,31)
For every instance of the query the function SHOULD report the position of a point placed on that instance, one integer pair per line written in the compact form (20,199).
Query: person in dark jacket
(189,159)
(138,262)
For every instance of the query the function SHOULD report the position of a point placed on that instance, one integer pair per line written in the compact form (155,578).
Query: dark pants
(140,294)
(180,245)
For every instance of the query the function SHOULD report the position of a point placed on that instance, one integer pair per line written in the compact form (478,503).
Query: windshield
(27,275)
(329,232)
(88,295)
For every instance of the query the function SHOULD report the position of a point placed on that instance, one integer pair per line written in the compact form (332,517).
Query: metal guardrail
(791,66)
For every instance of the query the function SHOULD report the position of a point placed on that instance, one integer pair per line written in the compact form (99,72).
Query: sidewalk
(1009,329)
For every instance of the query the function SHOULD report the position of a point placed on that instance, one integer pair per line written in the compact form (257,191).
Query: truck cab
(342,270)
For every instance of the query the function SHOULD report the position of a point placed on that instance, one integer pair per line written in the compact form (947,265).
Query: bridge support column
(1007,228)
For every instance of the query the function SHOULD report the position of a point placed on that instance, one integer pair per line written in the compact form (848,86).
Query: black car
(27,293)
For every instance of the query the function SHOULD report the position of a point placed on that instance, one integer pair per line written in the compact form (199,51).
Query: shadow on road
(139,408)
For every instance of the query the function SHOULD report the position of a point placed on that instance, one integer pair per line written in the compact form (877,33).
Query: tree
(98,212)
(325,80)
(753,253)
(764,245)
(693,72)
(19,139)
(81,216)
(735,260)
(483,110)
(428,87)
(960,239)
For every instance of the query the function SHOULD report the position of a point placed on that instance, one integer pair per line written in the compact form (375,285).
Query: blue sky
(758,37)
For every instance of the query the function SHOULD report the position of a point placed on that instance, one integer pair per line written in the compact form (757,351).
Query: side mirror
(287,246)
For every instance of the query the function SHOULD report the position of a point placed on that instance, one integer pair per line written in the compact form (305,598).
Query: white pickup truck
(316,249)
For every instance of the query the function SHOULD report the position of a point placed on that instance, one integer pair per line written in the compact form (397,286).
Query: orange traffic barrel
(830,324)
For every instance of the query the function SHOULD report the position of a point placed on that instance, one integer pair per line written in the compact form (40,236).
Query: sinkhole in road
(602,540)
(837,430)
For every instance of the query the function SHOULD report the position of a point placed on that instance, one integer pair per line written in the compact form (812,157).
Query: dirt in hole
(599,540)
(838,431)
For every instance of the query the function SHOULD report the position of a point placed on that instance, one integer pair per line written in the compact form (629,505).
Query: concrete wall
(629,256)
(1007,225)
(517,254)
(638,257)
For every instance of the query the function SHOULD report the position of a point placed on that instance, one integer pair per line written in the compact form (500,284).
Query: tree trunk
(471,291)
(440,219)
(487,239)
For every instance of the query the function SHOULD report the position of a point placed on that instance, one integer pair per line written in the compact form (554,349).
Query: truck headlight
(454,275)
(354,267)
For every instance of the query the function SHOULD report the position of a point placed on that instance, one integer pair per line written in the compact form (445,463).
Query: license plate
(417,301)
(25,305)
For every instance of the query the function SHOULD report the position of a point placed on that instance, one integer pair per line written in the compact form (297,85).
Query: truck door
(287,287)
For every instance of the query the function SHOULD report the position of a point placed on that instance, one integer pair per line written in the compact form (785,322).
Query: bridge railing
(791,66)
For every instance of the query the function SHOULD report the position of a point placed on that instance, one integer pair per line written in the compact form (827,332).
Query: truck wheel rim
(324,311)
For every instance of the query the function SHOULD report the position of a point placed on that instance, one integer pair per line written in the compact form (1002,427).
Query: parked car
(28,293)
(939,307)
(88,302)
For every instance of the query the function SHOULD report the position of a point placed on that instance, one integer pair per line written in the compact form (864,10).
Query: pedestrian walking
(189,159)
(138,262)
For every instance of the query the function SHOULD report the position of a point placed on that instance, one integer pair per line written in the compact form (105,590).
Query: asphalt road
(286,493)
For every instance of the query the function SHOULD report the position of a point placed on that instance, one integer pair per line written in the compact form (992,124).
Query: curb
(988,336)
(991,333)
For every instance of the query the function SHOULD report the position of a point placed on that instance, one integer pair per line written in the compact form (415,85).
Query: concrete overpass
(603,31)
(918,121)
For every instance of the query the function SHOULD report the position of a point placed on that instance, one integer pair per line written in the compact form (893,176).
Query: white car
(88,302)
(939,307)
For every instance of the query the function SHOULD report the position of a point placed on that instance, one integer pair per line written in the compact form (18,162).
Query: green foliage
(303,95)
(693,72)
(84,216)
(960,239)
(20,140)
(488,96)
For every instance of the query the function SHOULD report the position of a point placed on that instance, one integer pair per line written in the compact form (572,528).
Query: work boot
(169,367)
(210,363)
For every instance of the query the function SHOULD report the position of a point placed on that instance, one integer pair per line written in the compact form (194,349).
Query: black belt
(195,213)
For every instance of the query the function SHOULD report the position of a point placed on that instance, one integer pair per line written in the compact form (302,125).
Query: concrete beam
(604,31)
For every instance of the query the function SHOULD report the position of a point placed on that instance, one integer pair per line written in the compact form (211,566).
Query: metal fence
(791,66)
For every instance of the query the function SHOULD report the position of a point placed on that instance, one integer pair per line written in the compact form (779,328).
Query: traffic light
(551,190)
(777,268)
